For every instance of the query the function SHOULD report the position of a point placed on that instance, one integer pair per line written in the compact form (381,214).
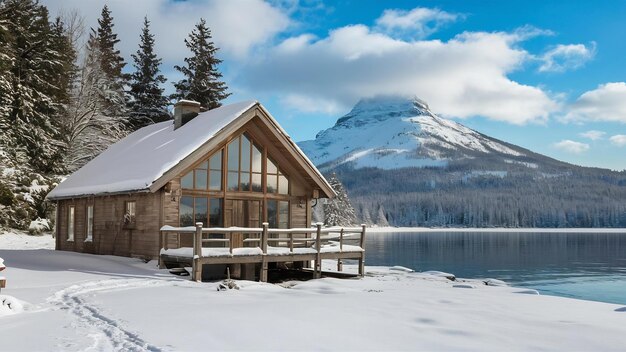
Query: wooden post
(339,261)
(362,259)
(263,273)
(362,243)
(291,242)
(317,272)
(164,246)
(197,254)
(341,240)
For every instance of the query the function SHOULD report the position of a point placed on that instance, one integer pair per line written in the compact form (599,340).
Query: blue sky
(545,75)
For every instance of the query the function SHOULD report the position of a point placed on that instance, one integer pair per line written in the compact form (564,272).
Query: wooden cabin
(230,166)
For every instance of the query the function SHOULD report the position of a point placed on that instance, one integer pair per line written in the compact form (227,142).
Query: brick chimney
(185,111)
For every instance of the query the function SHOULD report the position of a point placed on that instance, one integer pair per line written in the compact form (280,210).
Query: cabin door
(245,213)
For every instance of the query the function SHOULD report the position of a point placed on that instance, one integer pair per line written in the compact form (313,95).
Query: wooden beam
(197,254)
(264,235)
(317,273)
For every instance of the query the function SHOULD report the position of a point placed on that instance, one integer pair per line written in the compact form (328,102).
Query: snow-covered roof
(137,161)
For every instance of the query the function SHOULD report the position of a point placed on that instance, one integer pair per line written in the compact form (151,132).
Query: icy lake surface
(589,266)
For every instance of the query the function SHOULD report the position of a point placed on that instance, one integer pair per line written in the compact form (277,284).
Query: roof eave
(101,194)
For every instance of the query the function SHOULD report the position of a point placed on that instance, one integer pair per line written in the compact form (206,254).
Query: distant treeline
(517,196)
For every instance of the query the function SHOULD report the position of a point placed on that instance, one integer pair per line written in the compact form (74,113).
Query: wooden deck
(263,246)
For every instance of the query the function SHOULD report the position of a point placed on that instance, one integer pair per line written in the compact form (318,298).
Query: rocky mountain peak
(391,132)
(383,107)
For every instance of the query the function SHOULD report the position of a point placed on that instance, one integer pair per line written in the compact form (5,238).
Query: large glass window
(215,172)
(278,214)
(200,210)
(277,182)
(257,169)
(186,211)
(207,175)
(208,211)
(244,165)
(215,212)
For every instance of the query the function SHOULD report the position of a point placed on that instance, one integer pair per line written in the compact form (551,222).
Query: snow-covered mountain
(391,132)
(401,164)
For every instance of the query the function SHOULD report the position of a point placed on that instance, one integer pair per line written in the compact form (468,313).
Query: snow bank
(86,302)
(37,227)
(10,305)
(19,240)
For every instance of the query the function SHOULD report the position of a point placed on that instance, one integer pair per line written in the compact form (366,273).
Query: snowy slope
(393,132)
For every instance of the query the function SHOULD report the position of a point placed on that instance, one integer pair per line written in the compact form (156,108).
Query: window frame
(71,223)
(207,214)
(258,146)
(200,166)
(130,220)
(277,209)
(89,211)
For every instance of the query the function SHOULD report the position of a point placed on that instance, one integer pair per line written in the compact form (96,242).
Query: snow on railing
(262,237)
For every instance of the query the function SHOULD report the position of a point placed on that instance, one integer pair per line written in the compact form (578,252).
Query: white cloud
(618,140)
(237,25)
(593,134)
(311,105)
(571,146)
(606,103)
(567,57)
(419,22)
(463,77)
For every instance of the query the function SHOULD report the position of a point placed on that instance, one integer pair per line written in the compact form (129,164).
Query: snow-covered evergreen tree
(6,58)
(148,104)
(96,115)
(35,67)
(111,64)
(202,79)
(381,218)
(88,130)
(338,211)
(367,218)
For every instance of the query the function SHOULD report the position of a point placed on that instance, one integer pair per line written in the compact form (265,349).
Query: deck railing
(261,237)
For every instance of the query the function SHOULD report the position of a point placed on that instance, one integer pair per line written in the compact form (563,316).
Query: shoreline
(391,229)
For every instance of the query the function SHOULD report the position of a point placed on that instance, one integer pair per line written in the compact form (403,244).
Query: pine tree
(31,126)
(6,57)
(202,78)
(381,219)
(62,43)
(338,211)
(87,128)
(111,63)
(148,104)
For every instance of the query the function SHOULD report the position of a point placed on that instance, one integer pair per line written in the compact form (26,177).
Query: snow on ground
(75,301)
(16,240)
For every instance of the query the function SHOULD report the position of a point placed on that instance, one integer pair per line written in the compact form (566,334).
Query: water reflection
(587,266)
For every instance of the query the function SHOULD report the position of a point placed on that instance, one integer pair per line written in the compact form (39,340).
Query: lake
(588,266)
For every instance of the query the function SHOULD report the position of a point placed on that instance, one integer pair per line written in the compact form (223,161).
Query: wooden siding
(298,215)
(110,234)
